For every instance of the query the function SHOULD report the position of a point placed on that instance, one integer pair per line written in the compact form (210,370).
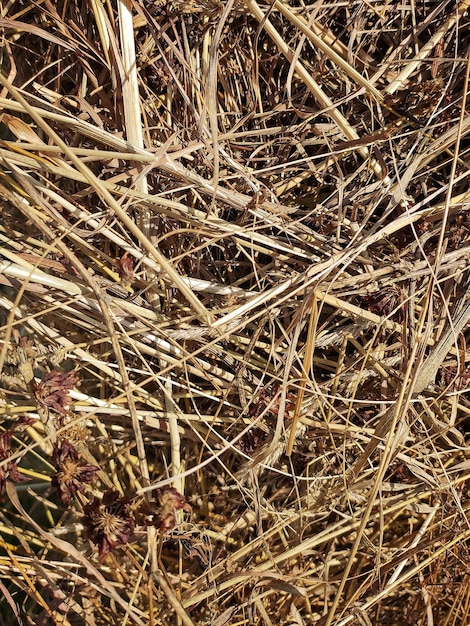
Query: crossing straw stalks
(234,273)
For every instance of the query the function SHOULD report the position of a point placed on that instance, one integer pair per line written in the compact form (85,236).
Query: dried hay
(234,266)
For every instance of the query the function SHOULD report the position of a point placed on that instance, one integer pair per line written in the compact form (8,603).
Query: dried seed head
(71,476)
(162,515)
(109,522)
(8,468)
(53,390)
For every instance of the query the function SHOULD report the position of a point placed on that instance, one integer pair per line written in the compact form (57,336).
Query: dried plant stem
(397,413)
(170,594)
(306,369)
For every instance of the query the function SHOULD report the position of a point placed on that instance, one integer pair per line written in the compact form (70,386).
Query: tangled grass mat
(234,268)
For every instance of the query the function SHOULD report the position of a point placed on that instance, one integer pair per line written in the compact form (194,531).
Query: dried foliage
(234,266)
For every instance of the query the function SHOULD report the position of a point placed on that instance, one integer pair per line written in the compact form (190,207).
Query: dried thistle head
(53,390)
(126,268)
(109,521)
(26,358)
(8,468)
(21,358)
(387,302)
(71,475)
(73,429)
(252,440)
(162,514)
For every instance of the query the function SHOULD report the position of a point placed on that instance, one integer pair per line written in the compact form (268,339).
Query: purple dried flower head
(387,302)
(53,390)
(252,440)
(126,268)
(168,500)
(71,476)
(109,521)
(8,469)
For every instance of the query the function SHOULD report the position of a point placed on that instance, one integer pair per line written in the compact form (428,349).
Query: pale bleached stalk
(397,414)
(461,313)
(438,553)
(101,23)
(419,535)
(133,121)
(161,160)
(320,270)
(130,93)
(23,272)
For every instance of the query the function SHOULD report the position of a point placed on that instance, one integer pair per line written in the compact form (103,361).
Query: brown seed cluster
(8,467)
(53,390)
(71,475)
(109,521)
(162,513)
